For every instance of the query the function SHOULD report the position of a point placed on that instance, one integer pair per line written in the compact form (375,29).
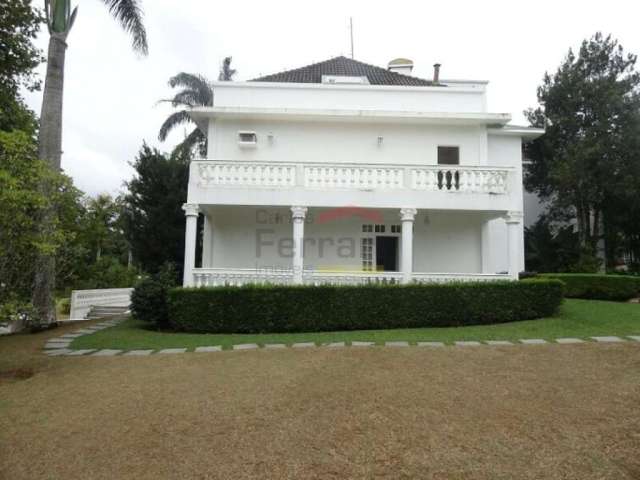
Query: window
(366,253)
(396,228)
(380,228)
(247,139)
(367,228)
(448,155)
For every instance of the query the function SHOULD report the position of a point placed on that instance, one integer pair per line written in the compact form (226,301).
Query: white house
(344,172)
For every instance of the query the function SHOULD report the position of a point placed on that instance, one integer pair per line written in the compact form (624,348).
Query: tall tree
(60,18)
(195,91)
(19,25)
(153,208)
(589,108)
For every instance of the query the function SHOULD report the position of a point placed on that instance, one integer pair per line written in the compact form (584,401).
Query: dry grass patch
(526,412)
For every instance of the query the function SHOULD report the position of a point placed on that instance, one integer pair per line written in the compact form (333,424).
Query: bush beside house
(598,287)
(267,309)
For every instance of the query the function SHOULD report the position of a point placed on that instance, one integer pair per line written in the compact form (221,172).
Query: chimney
(400,65)
(436,74)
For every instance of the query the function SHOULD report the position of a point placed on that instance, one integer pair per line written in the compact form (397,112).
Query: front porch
(349,245)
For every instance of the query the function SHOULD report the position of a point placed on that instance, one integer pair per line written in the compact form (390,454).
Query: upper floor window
(448,155)
(247,139)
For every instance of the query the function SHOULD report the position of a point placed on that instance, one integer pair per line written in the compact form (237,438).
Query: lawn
(529,412)
(577,318)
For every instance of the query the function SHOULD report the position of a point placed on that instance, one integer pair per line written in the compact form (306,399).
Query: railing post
(514,221)
(298,215)
(407,215)
(191,212)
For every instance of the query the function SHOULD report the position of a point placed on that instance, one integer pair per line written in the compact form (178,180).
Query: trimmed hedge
(274,309)
(598,286)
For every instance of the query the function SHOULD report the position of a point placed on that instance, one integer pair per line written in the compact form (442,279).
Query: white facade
(299,177)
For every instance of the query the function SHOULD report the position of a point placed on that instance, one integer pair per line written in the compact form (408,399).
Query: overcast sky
(111,93)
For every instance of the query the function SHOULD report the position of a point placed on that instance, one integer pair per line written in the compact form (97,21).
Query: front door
(387,254)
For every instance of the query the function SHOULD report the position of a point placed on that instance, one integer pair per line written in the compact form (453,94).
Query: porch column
(407,215)
(514,222)
(191,212)
(298,215)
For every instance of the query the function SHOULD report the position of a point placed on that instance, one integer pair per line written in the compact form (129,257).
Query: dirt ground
(525,412)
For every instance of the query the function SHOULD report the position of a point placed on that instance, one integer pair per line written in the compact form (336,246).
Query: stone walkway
(60,346)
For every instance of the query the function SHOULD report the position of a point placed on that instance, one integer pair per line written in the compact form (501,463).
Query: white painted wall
(312,142)
(464,99)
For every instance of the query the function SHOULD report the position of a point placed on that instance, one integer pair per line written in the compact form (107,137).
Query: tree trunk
(49,150)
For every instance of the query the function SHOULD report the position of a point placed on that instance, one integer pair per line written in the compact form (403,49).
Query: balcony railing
(212,277)
(329,176)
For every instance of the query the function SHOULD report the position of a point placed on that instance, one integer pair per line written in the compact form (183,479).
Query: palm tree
(60,19)
(196,91)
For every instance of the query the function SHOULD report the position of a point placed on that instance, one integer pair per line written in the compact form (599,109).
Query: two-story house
(344,172)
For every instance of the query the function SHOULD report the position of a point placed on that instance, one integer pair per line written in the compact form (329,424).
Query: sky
(111,93)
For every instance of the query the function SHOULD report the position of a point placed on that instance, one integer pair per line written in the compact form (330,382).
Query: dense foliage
(149,298)
(19,25)
(264,309)
(587,165)
(154,220)
(21,176)
(599,287)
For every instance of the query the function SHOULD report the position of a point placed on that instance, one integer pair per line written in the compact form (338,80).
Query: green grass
(577,318)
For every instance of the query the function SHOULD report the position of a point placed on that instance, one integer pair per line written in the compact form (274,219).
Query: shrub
(64,305)
(598,287)
(149,298)
(264,309)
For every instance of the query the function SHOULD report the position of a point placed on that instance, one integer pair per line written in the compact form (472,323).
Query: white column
(298,215)
(407,215)
(191,212)
(514,224)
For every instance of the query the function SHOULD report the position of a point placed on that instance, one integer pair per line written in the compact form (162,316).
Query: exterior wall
(254,237)
(464,99)
(312,142)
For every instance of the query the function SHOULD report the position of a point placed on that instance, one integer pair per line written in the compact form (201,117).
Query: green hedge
(598,287)
(271,309)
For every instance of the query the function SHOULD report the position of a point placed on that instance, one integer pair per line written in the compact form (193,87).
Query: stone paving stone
(173,350)
(608,339)
(70,335)
(569,340)
(216,348)
(49,345)
(430,344)
(76,353)
(85,331)
(273,346)
(533,341)
(58,352)
(334,344)
(137,353)
(107,352)
(362,344)
(303,345)
(467,343)
(634,337)
(498,342)
(396,344)
(246,346)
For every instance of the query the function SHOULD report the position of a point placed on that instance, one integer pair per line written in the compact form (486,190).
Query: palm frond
(196,139)
(129,14)
(172,121)
(188,97)
(197,83)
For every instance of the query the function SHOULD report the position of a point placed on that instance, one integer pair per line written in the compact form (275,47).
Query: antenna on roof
(351,29)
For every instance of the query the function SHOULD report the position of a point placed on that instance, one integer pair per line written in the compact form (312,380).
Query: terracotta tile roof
(344,66)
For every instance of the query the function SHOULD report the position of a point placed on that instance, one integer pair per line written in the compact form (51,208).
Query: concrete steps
(105,311)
